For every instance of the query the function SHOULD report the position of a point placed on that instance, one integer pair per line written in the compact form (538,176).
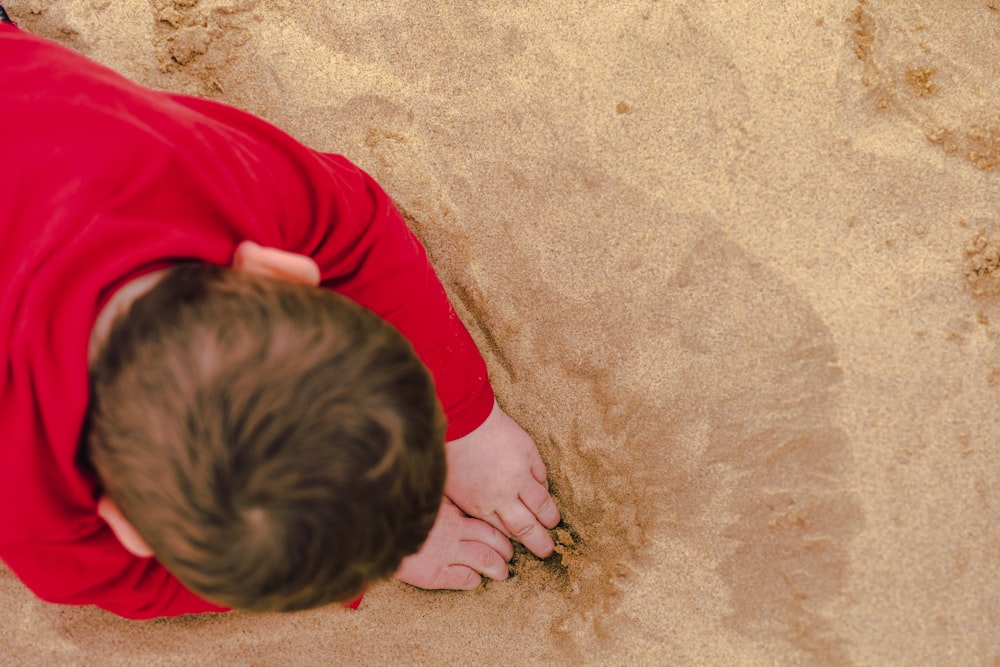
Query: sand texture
(734,265)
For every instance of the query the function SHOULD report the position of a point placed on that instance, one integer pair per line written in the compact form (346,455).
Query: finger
(538,471)
(523,527)
(541,504)
(459,578)
(483,559)
(481,531)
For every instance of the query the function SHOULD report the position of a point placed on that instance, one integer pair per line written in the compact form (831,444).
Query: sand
(733,265)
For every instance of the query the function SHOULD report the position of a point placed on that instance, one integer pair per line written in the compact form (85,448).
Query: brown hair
(276,445)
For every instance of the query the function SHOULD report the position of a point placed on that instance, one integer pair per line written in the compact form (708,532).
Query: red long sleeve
(105,180)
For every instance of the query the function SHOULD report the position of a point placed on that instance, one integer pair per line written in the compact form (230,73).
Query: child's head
(277,446)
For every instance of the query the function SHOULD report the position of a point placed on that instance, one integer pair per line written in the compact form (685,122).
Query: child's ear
(275,263)
(123,528)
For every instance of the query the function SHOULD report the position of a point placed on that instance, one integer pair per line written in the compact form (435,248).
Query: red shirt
(104,180)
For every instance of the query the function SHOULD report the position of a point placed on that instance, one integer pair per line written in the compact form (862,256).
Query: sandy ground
(731,264)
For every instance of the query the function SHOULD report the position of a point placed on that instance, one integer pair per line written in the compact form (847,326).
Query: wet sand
(736,267)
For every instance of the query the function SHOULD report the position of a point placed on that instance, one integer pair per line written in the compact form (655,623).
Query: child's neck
(117,305)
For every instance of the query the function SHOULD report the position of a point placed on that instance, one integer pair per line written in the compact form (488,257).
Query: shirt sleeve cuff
(471,414)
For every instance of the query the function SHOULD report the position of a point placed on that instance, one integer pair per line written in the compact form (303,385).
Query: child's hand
(458,550)
(495,473)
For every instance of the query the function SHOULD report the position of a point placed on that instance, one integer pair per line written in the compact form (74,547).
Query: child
(191,424)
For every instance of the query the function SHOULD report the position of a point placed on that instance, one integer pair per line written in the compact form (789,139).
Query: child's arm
(379,263)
